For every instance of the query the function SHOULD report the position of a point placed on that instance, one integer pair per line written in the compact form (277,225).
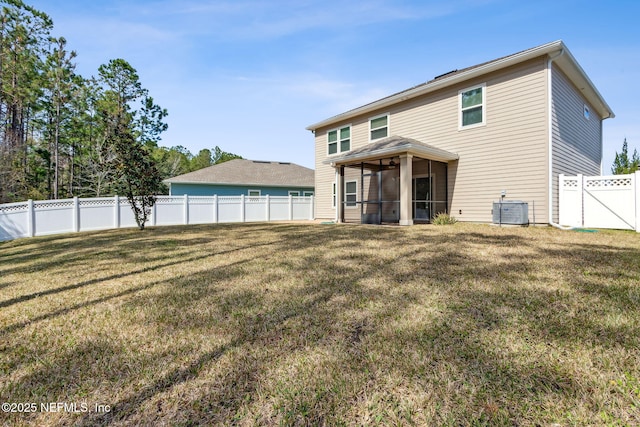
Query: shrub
(444,218)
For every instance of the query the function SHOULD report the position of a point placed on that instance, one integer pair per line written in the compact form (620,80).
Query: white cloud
(251,20)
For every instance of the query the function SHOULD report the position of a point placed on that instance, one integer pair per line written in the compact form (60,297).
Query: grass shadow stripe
(23,298)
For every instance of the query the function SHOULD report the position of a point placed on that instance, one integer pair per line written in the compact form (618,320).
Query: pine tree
(622,164)
(138,177)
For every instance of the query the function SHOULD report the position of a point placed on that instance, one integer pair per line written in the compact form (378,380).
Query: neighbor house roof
(249,172)
(557,50)
(394,146)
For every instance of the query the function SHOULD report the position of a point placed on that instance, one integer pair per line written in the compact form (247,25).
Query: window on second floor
(339,140)
(472,106)
(379,127)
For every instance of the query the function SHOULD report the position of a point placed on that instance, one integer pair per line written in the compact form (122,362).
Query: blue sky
(250,75)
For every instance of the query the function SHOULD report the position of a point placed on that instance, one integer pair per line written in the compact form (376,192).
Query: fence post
(116,211)
(636,184)
(76,214)
(581,198)
(561,204)
(290,207)
(154,213)
(242,208)
(31,219)
(215,208)
(185,220)
(311,210)
(268,199)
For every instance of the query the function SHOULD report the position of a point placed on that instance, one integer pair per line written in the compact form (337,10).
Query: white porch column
(406,174)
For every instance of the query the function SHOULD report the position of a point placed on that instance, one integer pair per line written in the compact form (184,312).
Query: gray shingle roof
(392,146)
(250,172)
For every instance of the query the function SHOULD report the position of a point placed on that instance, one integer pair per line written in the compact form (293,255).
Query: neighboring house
(455,143)
(248,177)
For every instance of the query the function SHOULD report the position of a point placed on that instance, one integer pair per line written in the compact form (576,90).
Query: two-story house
(455,143)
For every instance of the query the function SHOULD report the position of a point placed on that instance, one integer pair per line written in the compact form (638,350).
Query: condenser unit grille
(511,212)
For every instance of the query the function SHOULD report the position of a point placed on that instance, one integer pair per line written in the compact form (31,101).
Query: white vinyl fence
(39,218)
(600,201)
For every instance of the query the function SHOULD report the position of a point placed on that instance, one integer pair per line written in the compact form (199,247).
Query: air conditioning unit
(511,212)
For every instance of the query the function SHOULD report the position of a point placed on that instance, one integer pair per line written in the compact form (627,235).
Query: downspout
(550,136)
(602,147)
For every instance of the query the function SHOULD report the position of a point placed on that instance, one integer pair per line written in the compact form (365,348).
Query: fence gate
(600,201)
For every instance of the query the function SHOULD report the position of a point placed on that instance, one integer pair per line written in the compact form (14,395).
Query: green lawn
(310,324)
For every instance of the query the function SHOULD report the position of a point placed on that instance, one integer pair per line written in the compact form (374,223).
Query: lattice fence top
(570,183)
(14,207)
(608,183)
(202,198)
(226,199)
(53,204)
(97,202)
(170,199)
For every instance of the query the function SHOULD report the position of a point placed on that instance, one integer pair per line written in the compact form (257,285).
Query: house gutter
(550,130)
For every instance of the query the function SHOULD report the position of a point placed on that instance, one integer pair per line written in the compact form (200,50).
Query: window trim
(355,193)
(250,190)
(307,193)
(388,126)
(290,193)
(338,141)
(483,105)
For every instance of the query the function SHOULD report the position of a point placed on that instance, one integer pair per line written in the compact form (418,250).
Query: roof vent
(445,74)
(285,163)
(261,161)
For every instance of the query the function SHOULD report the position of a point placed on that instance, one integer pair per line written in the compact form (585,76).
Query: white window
(586,112)
(307,193)
(294,193)
(472,106)
(350,193)
(379,127)
(339,140)
(254,193)
(333,195)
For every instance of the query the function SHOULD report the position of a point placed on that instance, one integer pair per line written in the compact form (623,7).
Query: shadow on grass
(316,321)
(69,264)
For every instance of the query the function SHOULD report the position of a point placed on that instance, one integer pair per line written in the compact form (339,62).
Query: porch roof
(390,147)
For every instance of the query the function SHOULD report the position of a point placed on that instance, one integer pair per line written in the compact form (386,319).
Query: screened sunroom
(396,180)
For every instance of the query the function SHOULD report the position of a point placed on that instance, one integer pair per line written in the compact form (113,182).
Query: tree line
(63,135)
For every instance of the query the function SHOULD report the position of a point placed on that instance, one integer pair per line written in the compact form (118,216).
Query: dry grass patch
(307,324)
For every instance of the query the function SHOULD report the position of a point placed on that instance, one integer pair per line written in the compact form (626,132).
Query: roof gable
(249,172)
(556,50)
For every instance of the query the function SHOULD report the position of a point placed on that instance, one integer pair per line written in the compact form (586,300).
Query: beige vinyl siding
(577,142)
(325,177)
(509,153)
